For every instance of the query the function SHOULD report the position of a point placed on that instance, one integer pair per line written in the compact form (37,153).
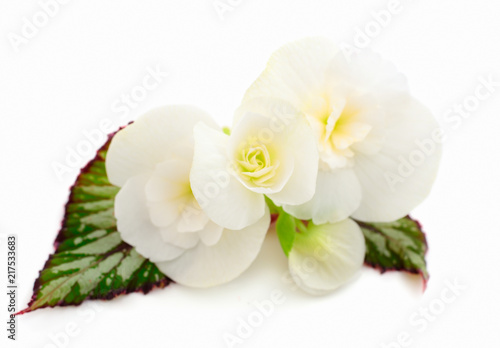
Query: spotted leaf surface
(91,261)
(396,246)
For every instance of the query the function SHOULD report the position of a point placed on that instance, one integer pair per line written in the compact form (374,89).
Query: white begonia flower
(271,151)
(326,256)
(156,211)
(378,159)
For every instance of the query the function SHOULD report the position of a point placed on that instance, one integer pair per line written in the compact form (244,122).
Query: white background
(67,78)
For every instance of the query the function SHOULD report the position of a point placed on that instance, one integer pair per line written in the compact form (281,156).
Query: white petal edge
(134,223)
(266,121)
(206,266)
(295,72)
(211,233)
(151,139)
(390,193)
(288,132)
(221,196)
(366,72)
(338,195)
(327,257)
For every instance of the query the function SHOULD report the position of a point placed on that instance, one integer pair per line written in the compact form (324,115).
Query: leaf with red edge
(91,261)
(396,246)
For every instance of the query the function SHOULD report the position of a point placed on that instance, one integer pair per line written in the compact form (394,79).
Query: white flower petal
(160,188)
(338,195)
(184,240)
(265,121)
(390,188)
(365,73)
(211,233)
(287,133)
(134,223)
(170,178)
(164,214)
(327,256)
(221,196)
(295,72)
(192,218)
(154,137)
(168,192)
(206,266)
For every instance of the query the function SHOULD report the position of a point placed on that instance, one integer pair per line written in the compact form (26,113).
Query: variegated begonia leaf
(91,261)
(396,246)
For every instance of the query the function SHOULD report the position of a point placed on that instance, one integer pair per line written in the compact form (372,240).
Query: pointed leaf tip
(91,261)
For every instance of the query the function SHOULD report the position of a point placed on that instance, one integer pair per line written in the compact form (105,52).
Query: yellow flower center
(256,164)
(337,128)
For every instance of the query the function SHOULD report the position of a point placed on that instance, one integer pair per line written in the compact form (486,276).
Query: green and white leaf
(91,261)
(396,246)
